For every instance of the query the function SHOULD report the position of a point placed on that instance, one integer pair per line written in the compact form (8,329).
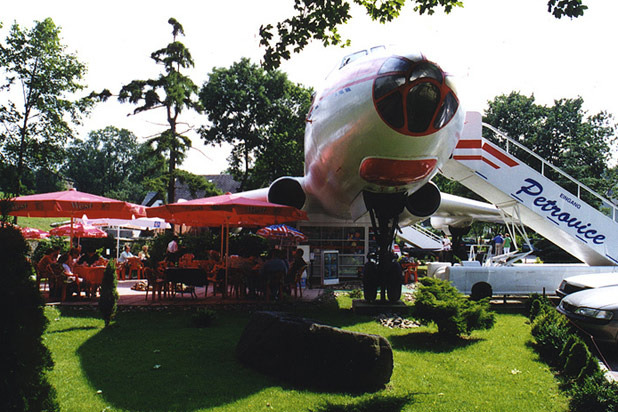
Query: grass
(157,361)
(43,223)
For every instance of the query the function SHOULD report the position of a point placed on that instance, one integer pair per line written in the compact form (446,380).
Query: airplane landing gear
(384,209)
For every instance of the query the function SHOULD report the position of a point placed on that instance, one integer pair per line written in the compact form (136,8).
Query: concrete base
(362,307)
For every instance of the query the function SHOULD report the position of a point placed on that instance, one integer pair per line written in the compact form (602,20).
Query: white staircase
(420,237)
(561,217)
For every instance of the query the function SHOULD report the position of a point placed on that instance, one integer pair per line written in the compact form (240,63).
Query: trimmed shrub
(594,393)
(579,360)
(437,301)
(537,304)
(108,302)
(551,331)
(24,358)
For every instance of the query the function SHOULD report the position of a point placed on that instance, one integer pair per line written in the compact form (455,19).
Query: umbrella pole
(71,241)
(227,253)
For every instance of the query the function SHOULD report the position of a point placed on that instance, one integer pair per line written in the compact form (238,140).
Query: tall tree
(562,134)
(262,115)
(112,163)
(172,91)
(37,118)
(319,20)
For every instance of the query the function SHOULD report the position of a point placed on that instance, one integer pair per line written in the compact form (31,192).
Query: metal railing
(420,228)
(605,203)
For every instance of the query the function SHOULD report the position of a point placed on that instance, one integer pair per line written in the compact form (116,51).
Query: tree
(108,301)
(172,91)
(37,120)
(562,134)
(112,163)
(319,20)
(24,357)
(262,114)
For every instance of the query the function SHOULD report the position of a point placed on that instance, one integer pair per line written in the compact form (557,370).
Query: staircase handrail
(427,233)
(544,163)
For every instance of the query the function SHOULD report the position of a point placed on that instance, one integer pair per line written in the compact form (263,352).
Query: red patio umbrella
(72,203)
(78,230)
(225,211)
(231,210)
(32,233)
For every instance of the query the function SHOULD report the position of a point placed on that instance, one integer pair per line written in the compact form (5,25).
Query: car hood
(602,298)
(593,280)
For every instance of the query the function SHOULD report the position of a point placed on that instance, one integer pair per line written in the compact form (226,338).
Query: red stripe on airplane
(499,155)
(492,164)
(467,157)
(469,144)
(476,157)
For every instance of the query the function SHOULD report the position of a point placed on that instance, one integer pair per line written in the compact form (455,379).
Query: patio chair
(155,283)
(134,265)
(42,277)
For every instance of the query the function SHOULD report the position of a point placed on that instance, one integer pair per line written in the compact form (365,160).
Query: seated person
(44,265)
(126,254)
(74,282)
(143,254)
(90,258)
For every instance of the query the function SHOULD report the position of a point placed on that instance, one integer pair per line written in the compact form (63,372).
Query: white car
(574,284)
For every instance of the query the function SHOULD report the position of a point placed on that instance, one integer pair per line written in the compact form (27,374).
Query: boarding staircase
(522,192)
(420,237)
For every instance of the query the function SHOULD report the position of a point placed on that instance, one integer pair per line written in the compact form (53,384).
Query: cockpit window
(422,102)
(351,57)
(387,83)
(413,97)
(426,69)
(394,64)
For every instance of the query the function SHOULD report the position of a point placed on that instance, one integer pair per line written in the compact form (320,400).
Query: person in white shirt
(125,255)
(173,250)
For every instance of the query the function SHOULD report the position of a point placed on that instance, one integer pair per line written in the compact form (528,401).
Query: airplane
(376,134)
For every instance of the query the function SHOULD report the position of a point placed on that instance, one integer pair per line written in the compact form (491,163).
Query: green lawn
(156,361)
(43,223)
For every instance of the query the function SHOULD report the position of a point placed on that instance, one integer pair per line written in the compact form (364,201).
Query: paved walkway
(130,297)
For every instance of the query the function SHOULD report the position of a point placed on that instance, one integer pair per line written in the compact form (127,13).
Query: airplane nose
(413,97)
(395,172)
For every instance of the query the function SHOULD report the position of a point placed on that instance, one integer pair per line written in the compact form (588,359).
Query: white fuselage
(345,129)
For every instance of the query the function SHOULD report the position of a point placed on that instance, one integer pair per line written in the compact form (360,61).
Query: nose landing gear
(384,209)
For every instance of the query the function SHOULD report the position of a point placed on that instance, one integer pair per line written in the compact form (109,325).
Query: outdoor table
(187,276)
(92,275)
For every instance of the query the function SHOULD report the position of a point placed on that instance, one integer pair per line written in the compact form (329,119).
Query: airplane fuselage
(384,123)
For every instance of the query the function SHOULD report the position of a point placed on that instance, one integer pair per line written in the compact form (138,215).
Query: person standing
(173,250)
(499,242)
(507,243)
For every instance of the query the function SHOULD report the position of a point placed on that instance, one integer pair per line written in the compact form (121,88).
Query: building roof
(225,183)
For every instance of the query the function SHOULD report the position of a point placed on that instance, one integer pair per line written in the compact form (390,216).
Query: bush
(439,302)
(203,317)
(108,302)
(551,332)
(594,393)
(579,361)
(24,357)
(537,304)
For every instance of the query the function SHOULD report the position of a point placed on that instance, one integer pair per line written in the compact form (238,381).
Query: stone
(303,352)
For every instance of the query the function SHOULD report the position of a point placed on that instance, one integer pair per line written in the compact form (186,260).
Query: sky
(491,47)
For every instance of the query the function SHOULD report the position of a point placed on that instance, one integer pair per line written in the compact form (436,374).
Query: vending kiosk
(330,267)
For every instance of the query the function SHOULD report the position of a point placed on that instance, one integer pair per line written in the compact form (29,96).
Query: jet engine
(287,191)
(425,201)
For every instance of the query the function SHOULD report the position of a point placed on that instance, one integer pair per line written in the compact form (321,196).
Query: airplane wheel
(393,289)
(370,285)
(481,290)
